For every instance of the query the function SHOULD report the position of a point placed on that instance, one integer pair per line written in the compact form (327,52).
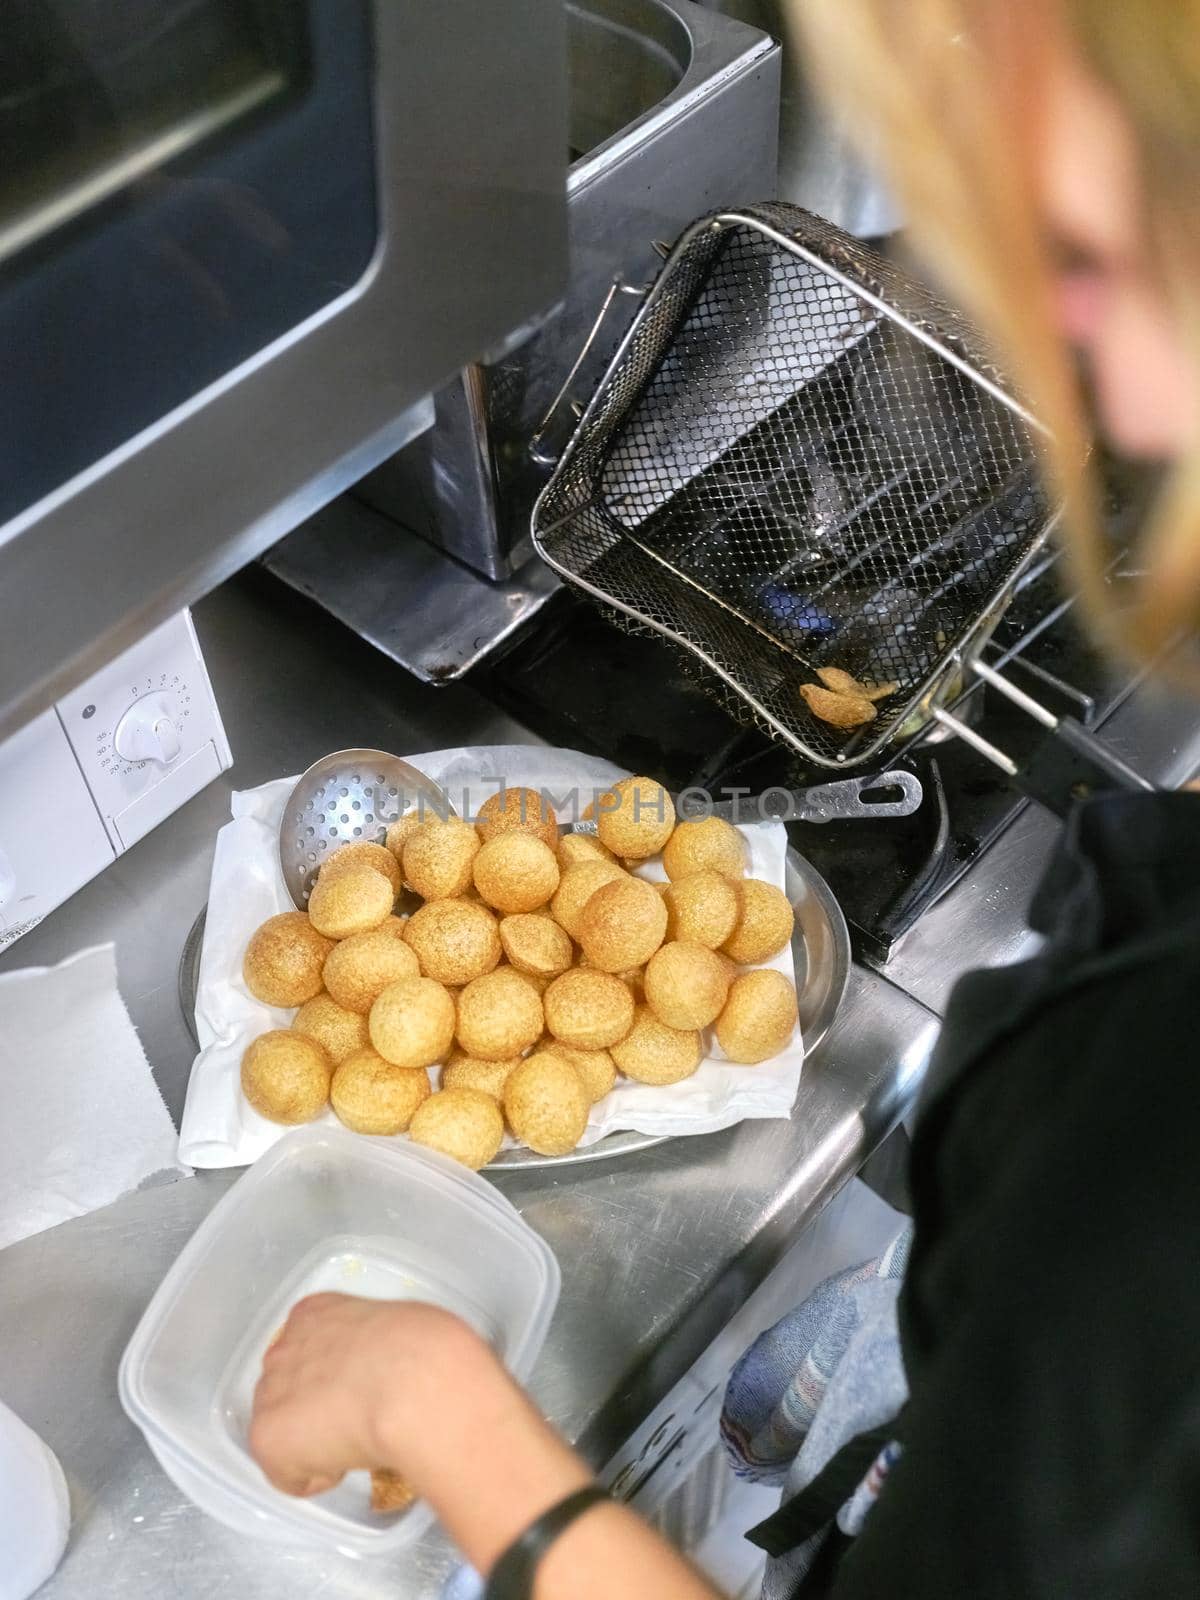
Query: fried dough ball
(653,1052)
(393,926)
(471,1072)
(353,900)
(454,940)
(764,925)
(339,1031)
(516,872)
(622,924)
(362,853)
(758,1017)
(438,857)
(588,1008)
(576,847)
(499,1015)
(359,969)
(401,831)
(546,1103)
(634,980)
(371,1095)
(631,977)
(390,1492)
(635,818)
(536,945)
(701,908)
(595,1067)
(464,1124)
(412,1023)
(575,889)
(686,985)
(285,1076)
(517,811)
(284,958)
(702,843)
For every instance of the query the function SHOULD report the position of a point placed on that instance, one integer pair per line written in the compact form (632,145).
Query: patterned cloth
(827,1371)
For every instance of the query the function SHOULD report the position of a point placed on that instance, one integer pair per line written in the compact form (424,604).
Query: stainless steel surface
(820,951)
(424,610)
(188,981)
(625,58)
(657,1248)
(616,1144)
(564,397)
(962,730)
(982,921)
(798,460)
(1070,766)
(672,111)
(1018,696)
(479,90)
(345,797)
(820,164)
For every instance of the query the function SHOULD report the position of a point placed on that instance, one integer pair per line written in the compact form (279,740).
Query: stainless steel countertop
(981,922)
(657,1248)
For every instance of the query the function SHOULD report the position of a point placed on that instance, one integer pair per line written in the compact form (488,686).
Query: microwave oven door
(240,240)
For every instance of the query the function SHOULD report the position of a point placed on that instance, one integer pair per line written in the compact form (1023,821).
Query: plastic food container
(323,1209)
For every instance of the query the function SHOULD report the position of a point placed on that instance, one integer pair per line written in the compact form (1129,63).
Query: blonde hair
(938,89)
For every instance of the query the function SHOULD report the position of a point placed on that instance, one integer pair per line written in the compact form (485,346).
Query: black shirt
(1051,1318)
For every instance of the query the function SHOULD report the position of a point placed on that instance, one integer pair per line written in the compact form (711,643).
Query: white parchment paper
(219,1129)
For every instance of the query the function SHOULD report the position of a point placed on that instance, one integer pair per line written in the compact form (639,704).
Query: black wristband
(512,1576)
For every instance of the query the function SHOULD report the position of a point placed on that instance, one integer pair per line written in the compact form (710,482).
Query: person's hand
(397,1385)
(354,1383)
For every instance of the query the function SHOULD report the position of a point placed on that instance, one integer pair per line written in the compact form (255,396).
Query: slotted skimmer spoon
(347,796)
(353,795)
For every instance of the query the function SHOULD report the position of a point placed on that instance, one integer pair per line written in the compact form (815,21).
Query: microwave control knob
(148,731)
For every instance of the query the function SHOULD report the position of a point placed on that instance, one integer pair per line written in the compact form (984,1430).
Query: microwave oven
(85,779)
(241,241)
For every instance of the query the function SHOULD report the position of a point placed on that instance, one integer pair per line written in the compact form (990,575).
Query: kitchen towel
(219,1129)
(81,1118)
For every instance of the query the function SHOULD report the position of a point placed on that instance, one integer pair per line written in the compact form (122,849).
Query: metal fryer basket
(798,458)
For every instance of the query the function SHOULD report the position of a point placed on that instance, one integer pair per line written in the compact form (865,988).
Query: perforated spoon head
(347,796)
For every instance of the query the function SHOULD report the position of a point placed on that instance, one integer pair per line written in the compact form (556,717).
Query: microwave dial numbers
(151,728)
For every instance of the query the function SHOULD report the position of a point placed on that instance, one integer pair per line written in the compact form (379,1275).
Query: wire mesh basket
(799,459)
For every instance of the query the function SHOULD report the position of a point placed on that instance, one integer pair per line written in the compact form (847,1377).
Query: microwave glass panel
(184,182)
(94,96)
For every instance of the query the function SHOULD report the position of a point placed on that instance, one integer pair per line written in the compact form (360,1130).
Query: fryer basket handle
(547,458)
